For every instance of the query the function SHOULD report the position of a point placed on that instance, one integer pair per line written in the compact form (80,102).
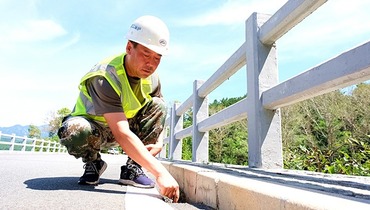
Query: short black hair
(134,43)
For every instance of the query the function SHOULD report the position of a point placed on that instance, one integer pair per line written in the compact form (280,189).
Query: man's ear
(129,47)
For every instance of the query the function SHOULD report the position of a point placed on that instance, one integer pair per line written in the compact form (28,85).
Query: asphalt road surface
(49,181)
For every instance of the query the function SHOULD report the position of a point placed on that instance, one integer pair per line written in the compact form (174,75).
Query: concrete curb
(237,188)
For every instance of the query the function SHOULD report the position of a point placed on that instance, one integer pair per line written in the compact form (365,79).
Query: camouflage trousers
(84,138)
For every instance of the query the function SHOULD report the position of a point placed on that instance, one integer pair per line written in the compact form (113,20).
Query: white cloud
(328,31)
(63,45)
(32,30)
(34,37)
(30,101)
(233,12)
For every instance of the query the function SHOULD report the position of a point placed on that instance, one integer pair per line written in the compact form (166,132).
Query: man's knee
(159,102)
(74,131)
(80,136)
(160,110)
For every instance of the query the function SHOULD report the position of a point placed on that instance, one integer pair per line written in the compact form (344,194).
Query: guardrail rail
(265,95)
(25,144)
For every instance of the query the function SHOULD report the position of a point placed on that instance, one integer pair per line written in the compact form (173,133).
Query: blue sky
(47,46)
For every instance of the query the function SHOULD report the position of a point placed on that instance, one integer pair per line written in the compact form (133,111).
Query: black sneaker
(133,175)
(93,171)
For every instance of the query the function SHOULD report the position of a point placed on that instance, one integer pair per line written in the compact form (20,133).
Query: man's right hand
(168,186)
(135,149)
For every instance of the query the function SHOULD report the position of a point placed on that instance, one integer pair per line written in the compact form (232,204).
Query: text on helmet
(136,27)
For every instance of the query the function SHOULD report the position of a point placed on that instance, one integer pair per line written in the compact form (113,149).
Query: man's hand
(138,152)
(154,149)
(169,187)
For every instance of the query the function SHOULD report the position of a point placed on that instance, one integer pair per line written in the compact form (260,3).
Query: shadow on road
(69,183)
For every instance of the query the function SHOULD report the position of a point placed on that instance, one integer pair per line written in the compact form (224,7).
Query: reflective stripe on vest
(113,71)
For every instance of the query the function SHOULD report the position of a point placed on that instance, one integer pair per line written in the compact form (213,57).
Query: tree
(228,144)
(329,133)
(55,120)
(358,117)
(34,132)
(187,142)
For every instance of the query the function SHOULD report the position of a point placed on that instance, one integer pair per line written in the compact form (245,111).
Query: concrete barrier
(236,187)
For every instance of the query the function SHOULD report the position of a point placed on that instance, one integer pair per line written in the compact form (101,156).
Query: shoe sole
(134,184)
(103,168)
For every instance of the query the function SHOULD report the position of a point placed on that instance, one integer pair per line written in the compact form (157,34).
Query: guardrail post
(24,144)
(48,148)
(264,126)
(58,147)
(41,145)
(33,144)
(12,142)
(200,112)
(176,124)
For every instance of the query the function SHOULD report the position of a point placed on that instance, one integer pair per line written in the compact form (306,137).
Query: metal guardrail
(25,144)
(265,96)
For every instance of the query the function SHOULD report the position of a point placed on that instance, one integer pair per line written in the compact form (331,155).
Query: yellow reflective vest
(112,69)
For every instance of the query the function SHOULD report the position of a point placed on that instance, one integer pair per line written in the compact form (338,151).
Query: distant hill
(22,130)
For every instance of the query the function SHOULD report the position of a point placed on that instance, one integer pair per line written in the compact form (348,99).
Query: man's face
(141,62)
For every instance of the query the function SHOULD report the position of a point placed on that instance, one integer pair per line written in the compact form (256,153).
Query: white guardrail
(25,144)
(265,95)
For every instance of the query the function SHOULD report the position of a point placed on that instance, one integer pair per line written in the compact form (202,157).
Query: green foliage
(34,132)
(229,144)
(187,148)
(55,120)
(351,158)
(225,102)
(53,138)
(329,133)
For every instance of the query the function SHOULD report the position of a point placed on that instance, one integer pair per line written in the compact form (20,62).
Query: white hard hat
(150,32)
